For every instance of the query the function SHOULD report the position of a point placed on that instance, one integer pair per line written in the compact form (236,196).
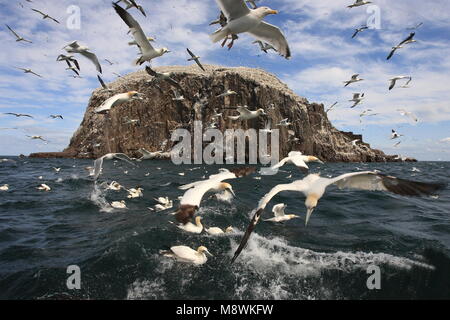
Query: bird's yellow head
(265,11)
(314,159)
(203,249)
(135,95)
(310,203)
(198,220)
(229,229)
(228,187)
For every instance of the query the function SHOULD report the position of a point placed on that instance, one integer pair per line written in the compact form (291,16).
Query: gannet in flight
(227,93)
(74,47)
(408,40)
(134,43)
(69,60)
(190,202)
(166,76)
(280,216)
(359,30)
(37,138)
(357,99)
(395,135)
(245,114)
(284,123)
(331,107)
(56,116)
(195,58)
(29,71)
(298,159)
(18,115)
(147,51)
(117,100)
(98,163)
(314,187)
(104,86)
(177,96)
(353,80)
(188,255)
(132,4)
(18,38)
(394,80)
(242,19)
(265,47)
(45,16)
(216,231)
(403,112)
(359,3)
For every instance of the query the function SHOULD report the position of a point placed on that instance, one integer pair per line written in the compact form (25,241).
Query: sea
(357,245)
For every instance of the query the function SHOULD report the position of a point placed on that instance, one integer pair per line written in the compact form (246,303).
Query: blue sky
(319,34)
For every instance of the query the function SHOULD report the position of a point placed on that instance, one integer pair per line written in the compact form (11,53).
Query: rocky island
(148,123)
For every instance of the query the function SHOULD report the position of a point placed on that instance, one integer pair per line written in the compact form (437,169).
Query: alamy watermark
(374,280)
(73,22)
(374,20)
(74,280)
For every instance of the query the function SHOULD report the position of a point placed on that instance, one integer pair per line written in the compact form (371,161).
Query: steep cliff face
(149,123)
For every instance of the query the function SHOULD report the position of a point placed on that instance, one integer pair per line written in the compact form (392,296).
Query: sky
(323,56)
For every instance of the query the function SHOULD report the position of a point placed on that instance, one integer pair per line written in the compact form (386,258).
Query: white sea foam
(98,198)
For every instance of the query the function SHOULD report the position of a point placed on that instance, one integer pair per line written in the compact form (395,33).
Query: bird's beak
(272,12)
(308,215)
(209,253)
(232,192)
(320,161)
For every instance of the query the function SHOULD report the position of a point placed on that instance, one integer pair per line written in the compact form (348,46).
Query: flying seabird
(359,3)
(104,86)
(190,202)
(186,254)
(18,38)
(147,155)
(74,47)
(395,135)
(18,115)
(265,47)
(403,112)
(394,80)
(314,187)
(227,93)
(280,216)
(132,4)
(117,100)
(25,70)
(147,51)
(98,163)
(45,16)
(353,80)
(243,19)
(331,107)
(298,159)
(357,99)
(284,123)
(177,96)
(408,40)
(56,116)
(69,60)
(365,114)
(359,30)
(37,138)
(166,76)
(195,58)
(245,114)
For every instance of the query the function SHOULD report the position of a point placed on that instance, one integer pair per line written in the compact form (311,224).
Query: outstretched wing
(271,34)
(233,9)
(91,56)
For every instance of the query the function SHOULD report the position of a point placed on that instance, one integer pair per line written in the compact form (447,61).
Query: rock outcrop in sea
(149,123)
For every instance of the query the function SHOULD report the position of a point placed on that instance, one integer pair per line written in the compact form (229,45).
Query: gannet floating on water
(358,30)
(195,58)
(242,19)
(163,203)
(45,16)
(394,80)
(190,202)
(314,187)
(18,38)
(4,187)
(18,115)
(353,80)
(147,51)
(408,40)
(135,193)
(26,70)
(359,3)
(75,47)
(98,163)
(119,204)
(245,114)
(216,231)
(115,186)
(192,228)
(117,100)
(186,254)
(298,159)
(44,187)
(280,216)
